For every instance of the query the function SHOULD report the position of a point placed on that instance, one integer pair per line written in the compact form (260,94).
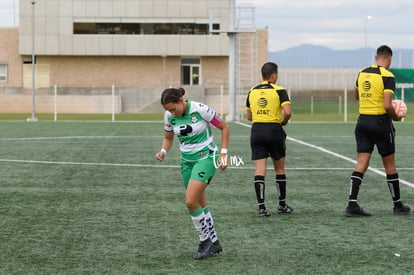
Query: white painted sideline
(376,171)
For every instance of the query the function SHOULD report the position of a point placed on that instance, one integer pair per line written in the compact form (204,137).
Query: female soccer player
(190,121)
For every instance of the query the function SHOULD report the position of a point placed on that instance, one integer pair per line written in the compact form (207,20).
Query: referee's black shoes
(356,211)
(284,209)
(401,209)
(264,213)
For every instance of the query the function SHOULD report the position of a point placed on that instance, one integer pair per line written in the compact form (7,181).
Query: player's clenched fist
(160,155)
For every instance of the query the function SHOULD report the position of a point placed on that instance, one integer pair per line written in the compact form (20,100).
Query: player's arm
(389,108)
(225,136)
(220,124)
(249,114)
(166,145)
(248,110)
(285,104)
(356,88)
(287,113)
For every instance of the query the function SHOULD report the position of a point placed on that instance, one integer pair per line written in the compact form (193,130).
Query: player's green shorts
(201,170)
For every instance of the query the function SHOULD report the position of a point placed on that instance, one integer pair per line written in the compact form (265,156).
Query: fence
(312,91)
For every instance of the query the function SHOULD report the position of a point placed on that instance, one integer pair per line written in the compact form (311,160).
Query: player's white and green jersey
(193,130)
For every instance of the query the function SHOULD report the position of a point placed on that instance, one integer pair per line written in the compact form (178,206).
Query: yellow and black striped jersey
(265,101)
(372,83)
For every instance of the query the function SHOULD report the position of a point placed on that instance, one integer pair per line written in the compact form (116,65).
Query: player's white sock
(210,223)
(201,226)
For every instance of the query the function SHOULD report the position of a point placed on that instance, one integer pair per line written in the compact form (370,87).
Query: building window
(106,28)
(142,28)
(190,71)
(3,73)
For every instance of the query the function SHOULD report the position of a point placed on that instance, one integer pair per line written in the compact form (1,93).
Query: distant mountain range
(314,56)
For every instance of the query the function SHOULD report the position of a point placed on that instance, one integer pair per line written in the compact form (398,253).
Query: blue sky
(338,24)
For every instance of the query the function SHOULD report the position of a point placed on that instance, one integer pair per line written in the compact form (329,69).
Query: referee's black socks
(281,189)
(393,183)
(259,186)
(356,180)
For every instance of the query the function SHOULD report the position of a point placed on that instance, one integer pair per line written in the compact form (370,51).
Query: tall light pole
(33,118)
(14,13)
(369,17)
(164,69)
(232,61)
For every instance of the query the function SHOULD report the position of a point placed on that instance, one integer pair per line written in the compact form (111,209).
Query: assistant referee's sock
(259,187)
(393,183)
(281,189)
(355,182)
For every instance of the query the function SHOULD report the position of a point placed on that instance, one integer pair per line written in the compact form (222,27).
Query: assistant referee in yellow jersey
(268,107)
(375,87)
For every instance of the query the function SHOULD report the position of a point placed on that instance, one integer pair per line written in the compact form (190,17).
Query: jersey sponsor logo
(262,102)
(366,85)
(262,112)
(185,130)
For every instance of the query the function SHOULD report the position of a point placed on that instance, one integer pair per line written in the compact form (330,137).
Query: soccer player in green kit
(191,122)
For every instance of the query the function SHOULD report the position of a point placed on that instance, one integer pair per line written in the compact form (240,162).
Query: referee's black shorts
(267,139)
(375,130)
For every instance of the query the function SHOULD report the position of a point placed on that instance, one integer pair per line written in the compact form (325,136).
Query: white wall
(54,27)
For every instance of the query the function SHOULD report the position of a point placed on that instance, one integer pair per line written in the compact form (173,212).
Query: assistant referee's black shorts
(375,130)
(267,139)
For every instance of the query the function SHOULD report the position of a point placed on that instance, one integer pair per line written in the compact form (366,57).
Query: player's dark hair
(384,50)
(171,95)
(268,69)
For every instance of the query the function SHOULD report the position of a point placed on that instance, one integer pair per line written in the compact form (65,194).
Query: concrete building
(140,47)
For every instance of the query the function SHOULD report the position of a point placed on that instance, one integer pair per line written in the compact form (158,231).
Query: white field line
(75,137)
(375,170)
(137,165)
(324,150)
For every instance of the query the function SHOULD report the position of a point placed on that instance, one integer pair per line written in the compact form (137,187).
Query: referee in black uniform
(268,107)
(375,87)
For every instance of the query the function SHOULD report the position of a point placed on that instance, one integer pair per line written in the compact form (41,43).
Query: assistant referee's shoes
(401,209)
(355,211)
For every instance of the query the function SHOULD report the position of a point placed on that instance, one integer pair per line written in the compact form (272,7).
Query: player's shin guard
(356,180)
(259,186)
(199,220)
(393,183)
(210,224)
(281,189)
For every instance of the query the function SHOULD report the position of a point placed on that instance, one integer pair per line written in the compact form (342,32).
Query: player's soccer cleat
(216,248)
(284,209)
(264,213)
(204,250)
(402,210)
(356,211)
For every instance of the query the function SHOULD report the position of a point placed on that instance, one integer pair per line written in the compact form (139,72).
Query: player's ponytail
(171,95)
(181,90)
